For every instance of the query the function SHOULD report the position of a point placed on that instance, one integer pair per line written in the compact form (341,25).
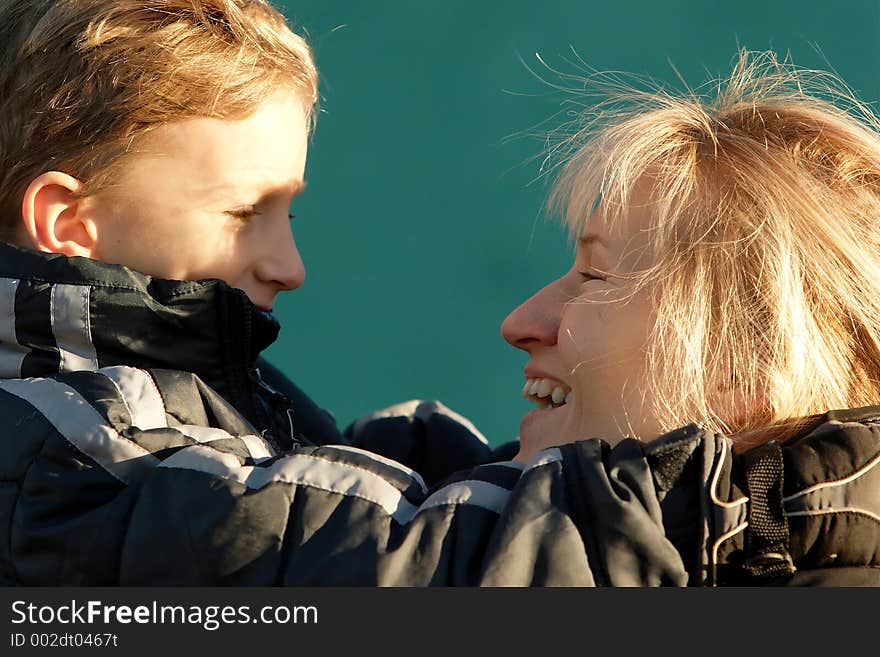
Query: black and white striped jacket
(119,465)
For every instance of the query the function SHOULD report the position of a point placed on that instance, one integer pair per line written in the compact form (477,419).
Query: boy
(150,152)
(174,149)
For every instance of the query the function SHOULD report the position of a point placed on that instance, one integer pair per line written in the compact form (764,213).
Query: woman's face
(586,334)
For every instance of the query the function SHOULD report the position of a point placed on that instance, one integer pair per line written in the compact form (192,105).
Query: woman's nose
(535,322)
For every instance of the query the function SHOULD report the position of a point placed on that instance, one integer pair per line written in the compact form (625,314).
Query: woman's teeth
(546,393)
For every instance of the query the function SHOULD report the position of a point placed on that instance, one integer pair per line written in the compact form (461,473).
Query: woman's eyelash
(589,276)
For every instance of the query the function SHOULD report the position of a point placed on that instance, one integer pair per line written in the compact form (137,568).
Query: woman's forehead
(623,238)
(613,228)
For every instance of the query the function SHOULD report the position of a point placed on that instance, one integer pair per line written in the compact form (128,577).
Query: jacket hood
(804,511)
(60,313)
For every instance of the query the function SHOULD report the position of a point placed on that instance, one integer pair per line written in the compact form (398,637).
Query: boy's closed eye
(248,214)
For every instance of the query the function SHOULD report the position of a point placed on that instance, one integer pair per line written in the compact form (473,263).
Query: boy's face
(209,198)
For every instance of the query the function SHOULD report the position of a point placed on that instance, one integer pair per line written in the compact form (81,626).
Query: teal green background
(422,225)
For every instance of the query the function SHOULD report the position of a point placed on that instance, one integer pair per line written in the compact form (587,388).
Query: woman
(727,273)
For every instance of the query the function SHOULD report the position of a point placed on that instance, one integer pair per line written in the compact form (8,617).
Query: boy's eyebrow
(292,187)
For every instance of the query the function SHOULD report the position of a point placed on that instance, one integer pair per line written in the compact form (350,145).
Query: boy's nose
(536,321)
(283,267)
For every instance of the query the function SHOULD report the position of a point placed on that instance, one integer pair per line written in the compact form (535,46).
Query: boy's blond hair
(82,80)
(764,233)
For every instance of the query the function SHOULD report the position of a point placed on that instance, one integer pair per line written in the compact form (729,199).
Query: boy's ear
(54,218)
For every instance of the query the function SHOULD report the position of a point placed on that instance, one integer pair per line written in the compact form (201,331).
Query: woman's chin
(542,428)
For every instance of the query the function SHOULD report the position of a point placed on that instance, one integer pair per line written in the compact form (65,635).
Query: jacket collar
(59,314)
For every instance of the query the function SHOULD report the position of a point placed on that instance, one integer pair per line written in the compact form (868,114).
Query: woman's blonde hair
(82,80)
(764,239)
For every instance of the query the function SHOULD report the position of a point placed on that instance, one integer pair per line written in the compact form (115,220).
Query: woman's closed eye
(591,276)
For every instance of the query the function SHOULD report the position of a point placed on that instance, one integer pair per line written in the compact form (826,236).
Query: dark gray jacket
(141,447)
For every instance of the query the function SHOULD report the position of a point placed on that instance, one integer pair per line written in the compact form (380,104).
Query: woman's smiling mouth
(546,392)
